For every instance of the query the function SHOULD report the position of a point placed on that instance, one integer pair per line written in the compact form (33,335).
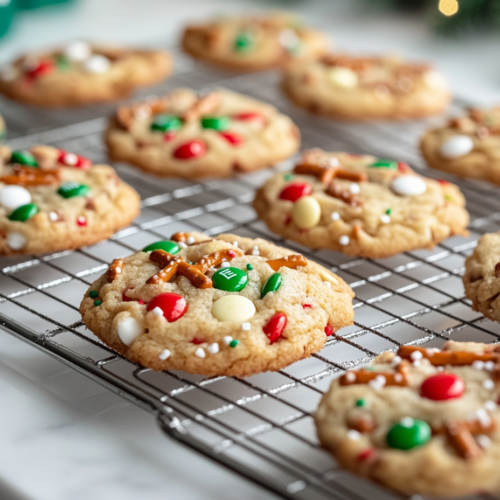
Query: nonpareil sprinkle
(234,343)
(97,302)
(249,267)
(93,294)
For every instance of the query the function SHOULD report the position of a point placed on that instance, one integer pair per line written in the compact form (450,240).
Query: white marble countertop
(63,436)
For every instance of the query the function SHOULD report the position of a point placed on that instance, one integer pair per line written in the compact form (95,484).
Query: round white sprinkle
(335,216)
(398,377)
(16,241)
(12,197)
(255,250)
(165,354)
(53,216)
(385,219)
(288,39)
(190,240)
(182,244)
(350,376)
(344,240)
(199,352)
(483,417)
(225,264)
(129,329)
(407,422)
(245,326)
(333,162)
(484,441)
(456,146)
(8,73)
(416,355)
(97,64)
(440,368)
(213,348)
(416,363)
(352,434)
(488,384)
(227,339)
(354,188)
(490,405)
(396,360)
(70,159)
(489,365)
(328,284)
(78,51)
(235,244)
(378,382)
(157,311)
(408,185)
(478,365)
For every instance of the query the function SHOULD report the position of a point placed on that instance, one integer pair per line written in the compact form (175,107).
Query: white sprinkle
(118,269)
(352,434)
(182,244)
(490,405)
(489,365)
(354,188)
(407,422)
(157,311)
(165,354)
(225,264)
(344,240)
(199,352)
(245,326)
(288,39)
(488,384)
(385,218)
(190,240)
(328,284)
(70,159)
(484,441)
(378,382)
(440,368)
(398,377)
(478,365)
(53,216)
(16,241)
(213,348)
(416,363)
(431,351)
(97,64)
(255,250)
(396,360)
(227,339)
(333,162)
(335,216)
(235,244)
(416,355)
(78,51)
(350,376)
(483,417)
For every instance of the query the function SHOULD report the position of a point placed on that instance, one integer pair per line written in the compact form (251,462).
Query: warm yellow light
(448,7)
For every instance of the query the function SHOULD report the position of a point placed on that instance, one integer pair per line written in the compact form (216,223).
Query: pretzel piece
(324,174)
(291,261)
(202,106)
(182,237)
(336,191)
(442,358)
(25,176)
(114,270)
(364,376)
(362,423)
(460,438)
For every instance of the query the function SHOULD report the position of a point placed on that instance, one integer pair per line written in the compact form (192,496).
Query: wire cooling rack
(261,426)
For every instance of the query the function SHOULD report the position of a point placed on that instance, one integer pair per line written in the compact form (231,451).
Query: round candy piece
(343,77)
(456,146)
(169,246)
(72,189)
(271,285)
(16,241)
(23,158)
(12,197)
(24,212)
(275,326)
(219,123)
(295,190)
(391,165)
(129,329)
(243,42)
(408,185)
(97,64)
(306,212)
(174,306)
(233,308)
(233,138)
(166,123)
(190,150)
(408,433)
(230,279)
(42,68)
(78,51)
(442,386)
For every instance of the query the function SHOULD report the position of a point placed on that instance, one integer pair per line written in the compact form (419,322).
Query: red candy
(81,221)
(250,116)
(42,68)
(173,306)
(443,182)
(366,455)
(296,190)
(231,254)
(197,341)
(191,149)
(274,327)
(402,166)
(328,330)
(73,160)
(124,297)
(169,136)
(307,306)
(232,138)
(442,386)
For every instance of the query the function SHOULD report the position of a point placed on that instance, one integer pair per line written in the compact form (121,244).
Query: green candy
(271,285)
(93,294)
(219,123)
(97,302)
(233,343)
(23,158)
(168,246)
(166,123)
(230,279)
(288,177)
(391,165)
(360,402)
(243,42)
(249,267)
(24,212)
(408,433)
(62,62)
(388,211)
(72,189)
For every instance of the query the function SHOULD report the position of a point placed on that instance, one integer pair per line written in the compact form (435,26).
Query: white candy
(78,51)
(70,159)
(225,264)
(213,348)
(16,241)
(306,212)
(227,339)
(456,146)
(129,329)
(200,353)
(12,197)
(343,77)
(484,441)
(344,240)
(354,188)
(335,216)
(165,354)
(408,185)
(416,355)
(157,311)
(233,308)
(488,384)
(246,326)
(97,64)
(353,434)
(490,405)
(190,240)
(385,219)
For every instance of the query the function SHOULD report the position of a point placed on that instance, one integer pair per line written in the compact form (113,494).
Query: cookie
(424,421)
(468,146)
(187,135)
(3,130)
(253,43)
(52,200)
(81,74)
(229,305)
(360,205)
(360,88)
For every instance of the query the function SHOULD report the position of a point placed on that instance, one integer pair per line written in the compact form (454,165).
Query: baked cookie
(468,145)
(53,200)
(482,276)
(226,306)
(424,421)
(360,205)
(81,74)
(3,130)
(187,135)
(360,88)
(253,43)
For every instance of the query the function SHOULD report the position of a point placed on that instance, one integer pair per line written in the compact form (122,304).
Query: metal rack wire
(262,426)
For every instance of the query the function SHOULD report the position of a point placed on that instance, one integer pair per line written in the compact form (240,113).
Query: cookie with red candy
(81,73)
(189,135)
(53,200)
(423,421)
(225,305)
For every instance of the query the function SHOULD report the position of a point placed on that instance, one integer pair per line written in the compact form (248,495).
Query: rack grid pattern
(262,426)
